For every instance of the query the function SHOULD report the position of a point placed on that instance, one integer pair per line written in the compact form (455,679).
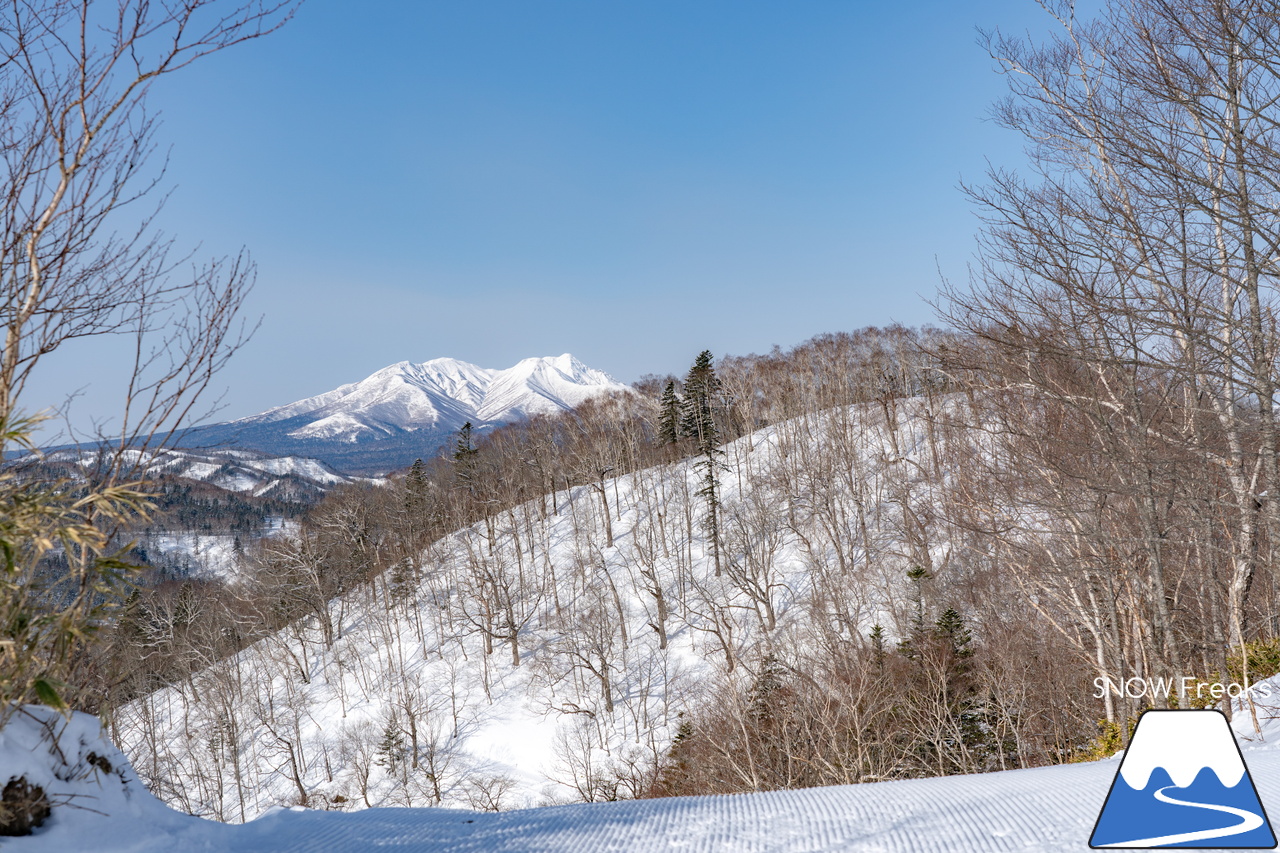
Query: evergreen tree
(683,768)
(877,647)
(669,416)
(697,421)
(944,690)
(701,401)
(404,580)
(464,455)
(769,736)
(955,638)
(415,487)
(918,575)
(908,647)
(767,692)
(392,751)
(969,708)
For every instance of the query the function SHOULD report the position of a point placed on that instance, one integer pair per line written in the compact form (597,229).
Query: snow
(443,393)
(1042,809)
(535,725)
(208,556)
(512,722)
(541,386)
(93,809)
(341,426)
(235,470)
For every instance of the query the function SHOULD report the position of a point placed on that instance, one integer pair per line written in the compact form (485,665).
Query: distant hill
(248,472)
(407,411)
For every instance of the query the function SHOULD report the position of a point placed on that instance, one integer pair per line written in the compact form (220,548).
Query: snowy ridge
(540,386)
(408,411)
(235,470)
(443,393)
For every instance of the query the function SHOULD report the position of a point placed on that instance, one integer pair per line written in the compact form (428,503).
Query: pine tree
(969,710)
(955,638)
(404,580)
(697,421)
(944,690)
(392,752)
(683,770)
(918,575)
(877,647)
(464,455)
(415,487)
(669,416)
(767,692)
(701,401)
(908,646)
(769,713)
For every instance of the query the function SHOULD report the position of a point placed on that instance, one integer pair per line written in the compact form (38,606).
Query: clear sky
(631,182)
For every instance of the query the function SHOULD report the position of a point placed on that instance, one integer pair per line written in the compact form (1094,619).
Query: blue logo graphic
(1183,783)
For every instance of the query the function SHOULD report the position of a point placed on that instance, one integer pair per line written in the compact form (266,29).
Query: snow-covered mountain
(245,471)
(407,410)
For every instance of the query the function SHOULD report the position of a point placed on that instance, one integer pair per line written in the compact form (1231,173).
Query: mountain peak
(421,403)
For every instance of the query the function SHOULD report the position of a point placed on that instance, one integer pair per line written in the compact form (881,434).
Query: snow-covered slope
(408,409)
(590,691)
(206,556)
(1045,809)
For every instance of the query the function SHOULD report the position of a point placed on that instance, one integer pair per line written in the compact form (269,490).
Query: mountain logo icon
(1183,783)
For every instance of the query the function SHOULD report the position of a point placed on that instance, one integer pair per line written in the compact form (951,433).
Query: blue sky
(629,182)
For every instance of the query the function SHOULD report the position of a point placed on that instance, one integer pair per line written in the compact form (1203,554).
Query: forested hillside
(883,587)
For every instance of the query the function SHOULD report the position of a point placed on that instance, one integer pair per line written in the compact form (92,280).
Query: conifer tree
(464,455)
(701,391)
(392,751)
(908,646)
(955,638)
(877,647)
(701,396)
(960,737)
(415,487)
(669,416)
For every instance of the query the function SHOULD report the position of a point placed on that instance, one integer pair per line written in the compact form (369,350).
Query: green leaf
(47,692)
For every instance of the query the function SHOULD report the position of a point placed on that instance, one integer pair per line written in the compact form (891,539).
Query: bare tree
(1132,282)
(77,260)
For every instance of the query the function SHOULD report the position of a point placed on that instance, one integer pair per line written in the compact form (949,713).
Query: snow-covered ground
(208,556)
(301,714)
(1043,809)
(300,717)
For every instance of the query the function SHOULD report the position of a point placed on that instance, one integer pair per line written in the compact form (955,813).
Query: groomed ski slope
(1043,809)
